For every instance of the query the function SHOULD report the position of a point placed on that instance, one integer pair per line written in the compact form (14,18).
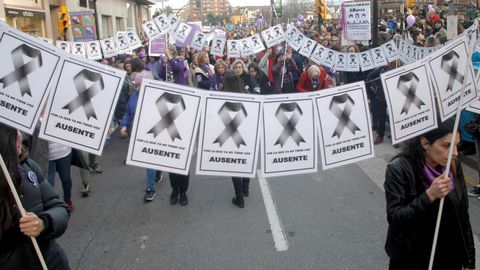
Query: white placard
(133,40)
(341,62)
(329,58)
(446,67)
(366,61)
(378,56)
(344,125)
(246,46)
(289,137)
(182,32)
(279,33)
(78,49)
(269,37)
(162,22)
(198,41)
(317,54)
(94,51)
(358,26)
(173,21)
(390,49)
(229,135)
(218,46)
(452,27)
(151,30)
(298,41)
(47,40)
(257,43)
(165,127)
(290,35)
(233,49)
(64,45)
(81,104)
(353,62)
(307,47)
(122,42)
(109,47)
(410,101)
(29,69)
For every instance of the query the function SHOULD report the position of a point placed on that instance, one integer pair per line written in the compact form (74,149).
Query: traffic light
(63,20)
(321,8)
(410,4)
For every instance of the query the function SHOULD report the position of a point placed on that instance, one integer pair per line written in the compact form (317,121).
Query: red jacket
(305,84)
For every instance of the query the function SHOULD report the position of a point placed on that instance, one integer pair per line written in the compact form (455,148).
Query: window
(119,24)
(107,27)
(83,3)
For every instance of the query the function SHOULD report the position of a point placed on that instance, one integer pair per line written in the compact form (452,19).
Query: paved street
(331,220)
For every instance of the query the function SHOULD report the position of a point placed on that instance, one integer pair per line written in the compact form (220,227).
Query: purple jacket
(216,82)
(178,68)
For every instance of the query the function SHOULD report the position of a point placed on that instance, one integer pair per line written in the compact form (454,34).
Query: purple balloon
(410,20)
(300,18)
(429,6)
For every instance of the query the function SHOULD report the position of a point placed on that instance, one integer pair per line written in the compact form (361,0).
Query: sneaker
(96,168)
(378,140)
(86,190)
(69,205)
(149,195)
(183,199)
(238,201)
(475,192)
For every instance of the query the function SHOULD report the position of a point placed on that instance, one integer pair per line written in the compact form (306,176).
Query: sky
(180,3)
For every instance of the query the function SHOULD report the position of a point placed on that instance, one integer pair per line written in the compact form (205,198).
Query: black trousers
(179,182)
(379,115)
(240,184)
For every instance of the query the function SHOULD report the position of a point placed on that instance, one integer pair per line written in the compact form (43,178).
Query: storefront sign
(24,13)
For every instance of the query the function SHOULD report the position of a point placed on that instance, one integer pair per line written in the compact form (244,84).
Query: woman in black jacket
(414,185)
(47,216)
(248,82)
(260,79)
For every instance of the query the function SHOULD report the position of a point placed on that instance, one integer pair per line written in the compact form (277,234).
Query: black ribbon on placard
(85,94)
(231,124)
(409,91)
(168,116)
(343,115)
(289,124)
(452,68)
(22,69)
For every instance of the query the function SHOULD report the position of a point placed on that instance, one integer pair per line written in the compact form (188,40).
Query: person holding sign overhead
(46,219)
(414,185)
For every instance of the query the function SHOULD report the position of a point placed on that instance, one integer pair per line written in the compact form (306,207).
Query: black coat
(16,249)
(412,217)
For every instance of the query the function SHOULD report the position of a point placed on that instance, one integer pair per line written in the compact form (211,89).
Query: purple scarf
(430,174)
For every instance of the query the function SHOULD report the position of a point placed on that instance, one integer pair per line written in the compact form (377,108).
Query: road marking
(279,237)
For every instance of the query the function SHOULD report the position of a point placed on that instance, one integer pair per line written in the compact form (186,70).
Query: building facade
(89,19)
(200,10)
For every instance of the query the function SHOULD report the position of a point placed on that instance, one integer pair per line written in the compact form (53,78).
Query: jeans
(62,166)
(152,176)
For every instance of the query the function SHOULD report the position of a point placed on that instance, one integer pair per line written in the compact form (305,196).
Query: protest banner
(446,67)
(410,100)
(29,69)
(81,104)
(229,135)
(289,137)
(165,127)
(343,121)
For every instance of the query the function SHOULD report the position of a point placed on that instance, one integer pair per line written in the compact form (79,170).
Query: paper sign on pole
(151,30)
(229,135)
(344,125)
(289,136)
(81,104)
(78,49)
(358,26)
(198,41)
(446,67)
(182,32)
(233,49)
(410,101)
(64,45)
(257,43)
(165,127)
(29,69)
(218,46)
